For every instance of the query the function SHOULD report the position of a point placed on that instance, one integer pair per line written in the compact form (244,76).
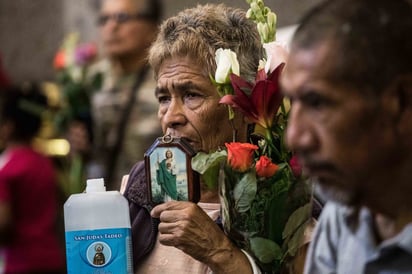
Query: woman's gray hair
(198,32)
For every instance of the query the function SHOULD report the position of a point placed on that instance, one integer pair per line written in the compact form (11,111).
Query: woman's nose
(174,115)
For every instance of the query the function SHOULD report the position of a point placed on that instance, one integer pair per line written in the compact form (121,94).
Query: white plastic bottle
(98,233)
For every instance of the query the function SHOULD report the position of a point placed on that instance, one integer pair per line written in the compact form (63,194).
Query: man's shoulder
(334,207)
(342,222)
(335,216)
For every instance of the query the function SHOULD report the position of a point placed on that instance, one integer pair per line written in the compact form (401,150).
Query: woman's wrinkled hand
(186,226)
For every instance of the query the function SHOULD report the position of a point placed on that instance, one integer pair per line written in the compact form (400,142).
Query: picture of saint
(99,258)
(166,176)
(99,254)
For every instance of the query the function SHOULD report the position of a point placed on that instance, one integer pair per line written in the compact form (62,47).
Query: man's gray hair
(370,40)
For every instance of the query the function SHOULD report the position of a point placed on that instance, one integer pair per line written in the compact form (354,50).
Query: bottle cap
(95,185)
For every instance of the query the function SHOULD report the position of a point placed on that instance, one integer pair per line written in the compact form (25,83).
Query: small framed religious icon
(169,171)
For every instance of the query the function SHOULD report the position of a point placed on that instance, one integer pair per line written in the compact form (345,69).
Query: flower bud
(265,167)
(249,14)
(227,63)
(263,31)
(255,7)
(271,19)
(295,166)
(260,4)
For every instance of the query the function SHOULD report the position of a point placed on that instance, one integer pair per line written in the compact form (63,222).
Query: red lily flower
(263,102)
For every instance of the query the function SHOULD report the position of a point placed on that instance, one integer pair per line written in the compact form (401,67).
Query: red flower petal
(265,167)
(264,100)
(240,155)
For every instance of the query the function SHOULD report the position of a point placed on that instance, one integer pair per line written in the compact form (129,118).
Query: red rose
(295,166)
(240,155)
(265,167)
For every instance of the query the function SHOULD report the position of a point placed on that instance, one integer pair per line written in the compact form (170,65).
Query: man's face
(189,105)
(124,37)
(342,138)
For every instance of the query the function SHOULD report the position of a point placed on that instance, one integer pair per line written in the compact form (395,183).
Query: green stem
(234,130)
(271,147)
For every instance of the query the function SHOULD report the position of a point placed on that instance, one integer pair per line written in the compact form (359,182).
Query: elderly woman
(183,58)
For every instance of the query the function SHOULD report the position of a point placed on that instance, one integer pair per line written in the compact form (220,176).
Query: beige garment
(167,259)
(142,127)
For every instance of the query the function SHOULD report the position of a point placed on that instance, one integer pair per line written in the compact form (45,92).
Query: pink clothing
(29,185)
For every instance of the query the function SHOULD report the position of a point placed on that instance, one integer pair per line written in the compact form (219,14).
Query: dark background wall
(32,30)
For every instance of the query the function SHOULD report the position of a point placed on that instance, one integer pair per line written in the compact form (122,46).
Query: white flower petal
(276,53)
(227,63)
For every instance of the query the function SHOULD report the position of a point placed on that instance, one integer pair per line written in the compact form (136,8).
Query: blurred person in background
(4,78)
(29,243)
(124,110)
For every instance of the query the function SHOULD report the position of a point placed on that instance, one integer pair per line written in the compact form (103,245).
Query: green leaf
(97,81)
(296,219)
(275,220)
(203,161)
(296,241)
(208,166)
(245,191)
(265,250)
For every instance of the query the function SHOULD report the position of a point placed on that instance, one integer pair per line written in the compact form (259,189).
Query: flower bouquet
(71,63)
(76,85)
(265,201)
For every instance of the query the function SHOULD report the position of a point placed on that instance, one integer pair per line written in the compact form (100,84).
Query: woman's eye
(193,100)
(163,99)
(191,95)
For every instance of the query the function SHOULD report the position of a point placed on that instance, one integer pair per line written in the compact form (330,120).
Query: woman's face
(189,105)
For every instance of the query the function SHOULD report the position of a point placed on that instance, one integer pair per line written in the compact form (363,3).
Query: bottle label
(99,251)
